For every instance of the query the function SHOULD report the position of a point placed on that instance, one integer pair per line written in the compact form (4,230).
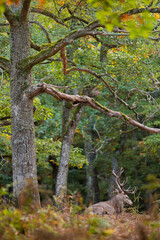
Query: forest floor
(72,224)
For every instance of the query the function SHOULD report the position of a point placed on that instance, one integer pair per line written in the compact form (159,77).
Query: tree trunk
(23,143)
(91,175)
(112,183)
(68,131)
(95,185)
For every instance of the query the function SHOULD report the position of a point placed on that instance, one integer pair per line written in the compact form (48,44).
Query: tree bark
(91,173)
(95,185)
(23,143)
(103,53)
(112,183)
(89,177)
(68,131)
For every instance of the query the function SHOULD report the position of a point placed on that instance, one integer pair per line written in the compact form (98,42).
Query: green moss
(45,48)
(125,116)
(4,59)
(26,63)
(99,105)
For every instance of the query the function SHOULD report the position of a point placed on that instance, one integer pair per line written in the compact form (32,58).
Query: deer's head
(122,194)
(122,197)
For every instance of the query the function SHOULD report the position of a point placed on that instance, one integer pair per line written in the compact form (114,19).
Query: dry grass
(71,224)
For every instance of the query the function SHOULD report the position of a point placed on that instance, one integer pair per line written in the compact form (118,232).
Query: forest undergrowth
(73,223)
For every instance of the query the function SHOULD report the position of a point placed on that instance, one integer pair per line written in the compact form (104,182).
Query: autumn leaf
(156,15)
(139,19)
(10,2)
(41,3)
(126,17)
(16,2)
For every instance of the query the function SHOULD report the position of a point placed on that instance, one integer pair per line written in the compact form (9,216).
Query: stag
(115,204)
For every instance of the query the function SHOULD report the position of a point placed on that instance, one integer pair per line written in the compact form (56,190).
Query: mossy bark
(23,139)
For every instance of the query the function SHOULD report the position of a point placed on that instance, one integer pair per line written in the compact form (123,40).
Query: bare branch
(48,14)
(25,10)
(75,17)
(140,10)
(4,64)
(35,90)
(154,39)
(72,14)
(151,3)
(77,6)
(5,123)
(55,5)
(103,33)
(3,162)
(5,118)
(35,46)
(43,29)
(107,85)
(4,24)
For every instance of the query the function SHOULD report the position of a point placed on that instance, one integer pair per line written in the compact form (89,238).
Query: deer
(116,204)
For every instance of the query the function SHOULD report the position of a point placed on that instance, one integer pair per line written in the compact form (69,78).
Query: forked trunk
(68,131)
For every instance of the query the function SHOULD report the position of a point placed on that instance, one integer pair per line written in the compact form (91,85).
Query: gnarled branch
(35,90)
(52,49)
(105,82)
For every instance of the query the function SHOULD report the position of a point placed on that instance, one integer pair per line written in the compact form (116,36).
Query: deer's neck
(117,203)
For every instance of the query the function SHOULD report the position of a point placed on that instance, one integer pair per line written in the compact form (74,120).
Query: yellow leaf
(108,231)
(77,130)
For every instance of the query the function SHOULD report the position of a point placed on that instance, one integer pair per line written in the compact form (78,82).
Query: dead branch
(35,90)
(105,82)
(43,29)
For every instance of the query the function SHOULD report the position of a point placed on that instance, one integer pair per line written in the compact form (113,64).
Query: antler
(130,191)
(121,185)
